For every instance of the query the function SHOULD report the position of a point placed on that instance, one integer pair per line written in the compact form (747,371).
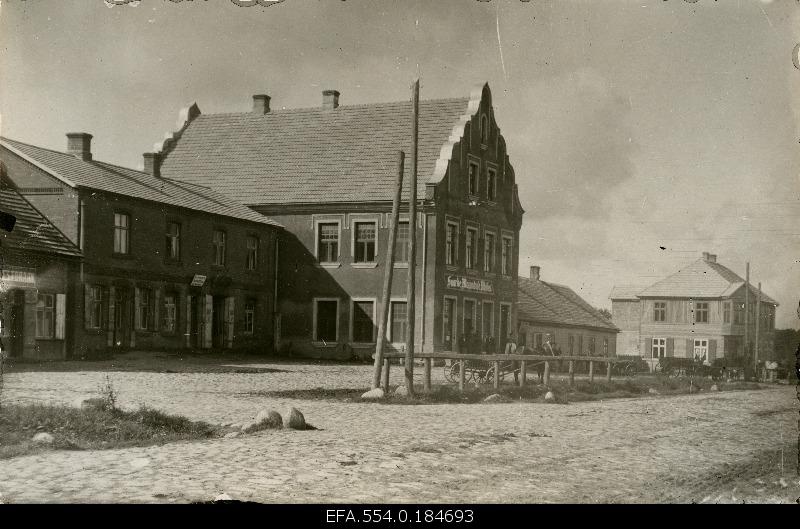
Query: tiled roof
(700,279)
(626,292)
(544,302)
(302,156)
(114,179)
(32,230)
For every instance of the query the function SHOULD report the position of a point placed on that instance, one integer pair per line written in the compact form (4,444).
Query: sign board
(17,277)
(470,284)
(198,280)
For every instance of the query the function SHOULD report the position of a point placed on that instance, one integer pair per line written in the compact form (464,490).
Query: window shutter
(229,319)
(156,301)
(670,347)
(689,348)
(712,350)
(87,306)
(137,310)
(648,342)
(61,305)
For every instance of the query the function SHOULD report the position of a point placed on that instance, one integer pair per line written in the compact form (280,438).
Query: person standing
(511,343)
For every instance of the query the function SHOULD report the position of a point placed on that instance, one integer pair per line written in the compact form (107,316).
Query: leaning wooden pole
(758,319)
(387,276)
(412,251)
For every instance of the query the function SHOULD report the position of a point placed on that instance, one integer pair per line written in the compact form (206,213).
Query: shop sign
(198,280)
(17,277)
(470,284)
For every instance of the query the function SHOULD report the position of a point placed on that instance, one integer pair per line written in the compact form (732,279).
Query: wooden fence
(495,359)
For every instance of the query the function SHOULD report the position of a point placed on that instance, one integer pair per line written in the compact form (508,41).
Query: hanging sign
(198,280)
(17,277)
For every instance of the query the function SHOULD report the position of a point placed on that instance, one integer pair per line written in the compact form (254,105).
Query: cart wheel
(488,376)
(479,376)
(451,373)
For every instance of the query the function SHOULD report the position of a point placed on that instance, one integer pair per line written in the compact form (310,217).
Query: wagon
(479,371)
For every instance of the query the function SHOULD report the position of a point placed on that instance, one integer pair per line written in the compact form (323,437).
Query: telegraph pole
(758,320)
(412,253)
(746,312)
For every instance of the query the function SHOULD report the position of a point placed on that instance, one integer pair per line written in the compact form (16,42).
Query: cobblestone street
(609,451)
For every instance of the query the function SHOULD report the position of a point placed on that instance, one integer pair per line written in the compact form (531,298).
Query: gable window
(121,232)
(489,253)
(170,312)
(507,256)
(45,316)
(328,242)
(701,312)
(219,241)
(173,240)
(363,325)
(491,184)
(471,248)
(660,311)
(95,311)
(365,234)
(484,129)
(473,179)
(401,247)
(451,244)
(399,325)
(326,320)
(252,252)
(726,312)
(249,316)
(659,348)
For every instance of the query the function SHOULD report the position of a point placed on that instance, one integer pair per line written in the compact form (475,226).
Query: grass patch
(91,429)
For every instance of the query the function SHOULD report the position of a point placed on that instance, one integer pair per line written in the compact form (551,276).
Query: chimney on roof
(80,144)
(152,163)
(261,104)
(535,272)
(705,256)
(330,99)
(709,257)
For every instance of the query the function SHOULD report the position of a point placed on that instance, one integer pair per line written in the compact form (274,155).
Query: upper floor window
(471,248)
(121,233)
(605,346)
(451,244)
(489,251)
(473,179)
(660,311)
(508,255)
(701,312)
(45,316)
(401,247)
(219,242)
(491,184)
(173,241)
(738,313)
(484,129)
(365,235)
(726,312)
(252,252)
(328,242)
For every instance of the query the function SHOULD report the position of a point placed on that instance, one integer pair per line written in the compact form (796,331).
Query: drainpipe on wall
(424,269)
(275,300)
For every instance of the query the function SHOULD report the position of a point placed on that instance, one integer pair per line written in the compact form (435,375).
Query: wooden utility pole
(746,311)
(412,251)
(387,276)
(758,320)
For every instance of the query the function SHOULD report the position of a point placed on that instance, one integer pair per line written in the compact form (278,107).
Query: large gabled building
(697,311)
(328,174)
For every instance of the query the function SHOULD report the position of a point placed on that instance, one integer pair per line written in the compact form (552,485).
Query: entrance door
(448,320)
(123,317)
(504,325)
(218,323)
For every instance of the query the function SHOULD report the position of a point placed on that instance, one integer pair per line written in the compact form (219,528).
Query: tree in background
(786,342)
(605,313)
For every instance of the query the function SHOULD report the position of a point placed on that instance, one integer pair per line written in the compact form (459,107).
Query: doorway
(448,322)
(123,317)
(504,323)
(218,322)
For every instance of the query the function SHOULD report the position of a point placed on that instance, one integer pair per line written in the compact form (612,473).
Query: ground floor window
(45,316)
(659,349)
(701,350)
(592,345)
(363,321)
(95,306)
(399,327)
(170,312)
(249,315)
(448,318)
(605,346)
(571,342)
(469,317)
(326,320)
(143,308)
(488,319)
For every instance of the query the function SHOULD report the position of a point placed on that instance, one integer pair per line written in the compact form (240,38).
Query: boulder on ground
(269,419)
(373,394)
(653,391)
(549,396)
(494,397)
(401,391)
(714,388)
(249,427)
(294,420)
(43,438)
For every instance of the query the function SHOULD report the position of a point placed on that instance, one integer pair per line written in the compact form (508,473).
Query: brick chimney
(80,144)
(705,256)
(330,99)
(712,258)
(261,104)
(152,163)
(535,272)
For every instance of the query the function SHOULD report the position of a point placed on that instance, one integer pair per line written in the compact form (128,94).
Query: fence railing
(495,359)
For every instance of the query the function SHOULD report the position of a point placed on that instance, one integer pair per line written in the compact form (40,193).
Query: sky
(642,133)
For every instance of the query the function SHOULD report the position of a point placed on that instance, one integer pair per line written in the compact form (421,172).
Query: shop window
(45,316)
(219,241)
(249,316)
(121,233)
(401,247)
(326,320)
(365,236)
(399,326)
(488,319)
(328,242)
(173,241)
(252,252)
(363,325)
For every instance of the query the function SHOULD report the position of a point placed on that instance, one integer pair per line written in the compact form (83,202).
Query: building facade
(697,312)
(554,314)
(165,265)
(328,175)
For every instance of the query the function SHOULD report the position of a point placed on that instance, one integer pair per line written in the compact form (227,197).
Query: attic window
(484,130)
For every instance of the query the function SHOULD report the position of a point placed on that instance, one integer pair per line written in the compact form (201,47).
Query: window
(399,326)
(701,312)
(469,317)
(580,344)
(365,233)
(701,350)
(249,316)
(489,253)
(252,252)
(660,311)
(472,248)
(473,178)
(121,232)
(738,313)
(218,240)
(401,247)
(491,184)
(726,312)
(173,250)
(592,345)
(507,256)
(451,244)
(605,346)
(143,314)
(659,349)
(326,320)
(538,339)
(488,319)
(95,311)
(170,312)
(571,342)
(484,129)
(363,323)
(328,242)
(45,316)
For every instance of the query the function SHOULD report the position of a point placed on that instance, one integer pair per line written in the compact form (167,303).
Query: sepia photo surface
(451,252)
